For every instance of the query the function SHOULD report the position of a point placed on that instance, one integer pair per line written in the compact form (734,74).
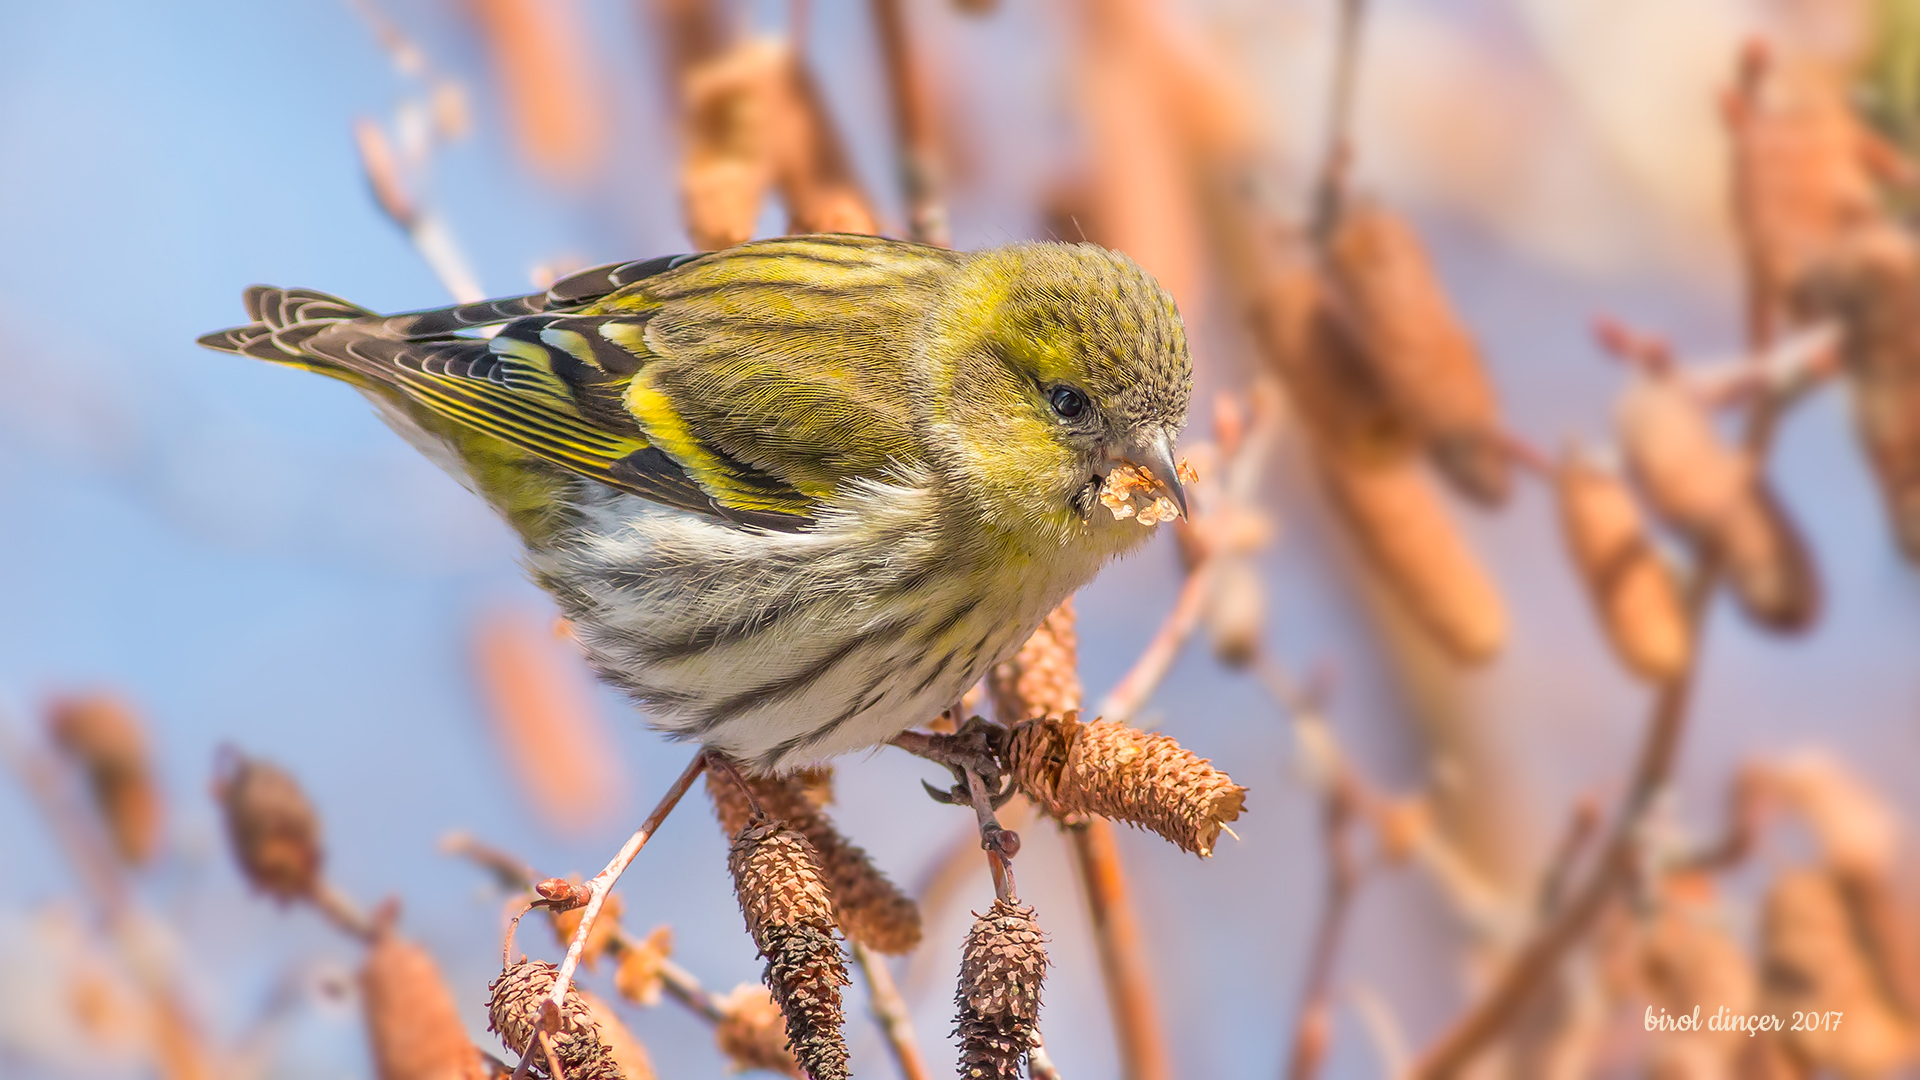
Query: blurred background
(243,555)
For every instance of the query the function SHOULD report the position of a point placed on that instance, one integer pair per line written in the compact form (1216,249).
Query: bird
(798,495)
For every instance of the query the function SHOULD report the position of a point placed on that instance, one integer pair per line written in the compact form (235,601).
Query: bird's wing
(748,384)
(788,356)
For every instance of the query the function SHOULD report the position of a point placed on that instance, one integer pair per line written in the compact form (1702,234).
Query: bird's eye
(1067,401)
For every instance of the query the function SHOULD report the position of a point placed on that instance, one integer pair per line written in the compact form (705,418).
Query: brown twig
(1330,184)
(719,761)
(1581,826)
(603,882)
(890,1012)
(1133,690)
(1313,1029)
(1747,804)
(1116,935)
(1541,955)
(1039,1065)
(914,136)
(340,910)
(506,869)
(1001,845)
(1761,265)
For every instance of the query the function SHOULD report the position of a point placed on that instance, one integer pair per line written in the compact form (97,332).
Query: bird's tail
(376,353)
(284,320)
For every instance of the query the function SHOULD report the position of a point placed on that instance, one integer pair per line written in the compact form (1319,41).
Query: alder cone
(1870,283)
(629,1055)
(1712,493)
(1633,589)
(1421,357)
(810,163)
(513,1010)
(1406,535)
(413,1023)
(1314,348)
(103,736)
(1003,965)
(1805,155)
(274,830)
(869,907)
(1043,678)
(776,877)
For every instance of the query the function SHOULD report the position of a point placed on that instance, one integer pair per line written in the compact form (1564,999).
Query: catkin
(629,1054)
(641,976)
(513,1010)
(726,171)
(1120,772)
(1689,475)
(1812,962)
(790,916)
(1043,678)
(104,737)
(1405,533)
(1633,589)
(1003,965)
(1421,357)
(1870,283)
(273,828)
(1768,563)
(1802,153)
(1237,610)
(752,1033)
(413,1023)
(1315,348)
(870,909)
(1712,493)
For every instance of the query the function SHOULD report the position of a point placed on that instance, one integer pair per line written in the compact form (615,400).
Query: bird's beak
(1154,453)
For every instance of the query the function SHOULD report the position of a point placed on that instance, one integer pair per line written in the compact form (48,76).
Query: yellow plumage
(797,495)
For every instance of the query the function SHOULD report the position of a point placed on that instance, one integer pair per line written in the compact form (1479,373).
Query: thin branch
(1761,266)
(1581,826)
(1542,954)
(603,882)
(180,1052)
(1116,934)
(511,873)
(1039,1065)
(890,1012)
(430,238)
(1312,1029)
(342,912)
(1136,687)
(1330,185)
(1001,845)
(720,762)
(913,131)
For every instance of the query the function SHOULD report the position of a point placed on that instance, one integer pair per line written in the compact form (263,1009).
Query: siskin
(798,495)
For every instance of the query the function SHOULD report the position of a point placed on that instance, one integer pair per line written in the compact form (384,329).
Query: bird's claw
(958,795)
(976,748)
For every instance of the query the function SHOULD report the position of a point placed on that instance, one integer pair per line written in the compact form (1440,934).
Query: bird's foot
(979,747)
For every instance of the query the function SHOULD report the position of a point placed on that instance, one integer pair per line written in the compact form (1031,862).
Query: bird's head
(1049,366)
